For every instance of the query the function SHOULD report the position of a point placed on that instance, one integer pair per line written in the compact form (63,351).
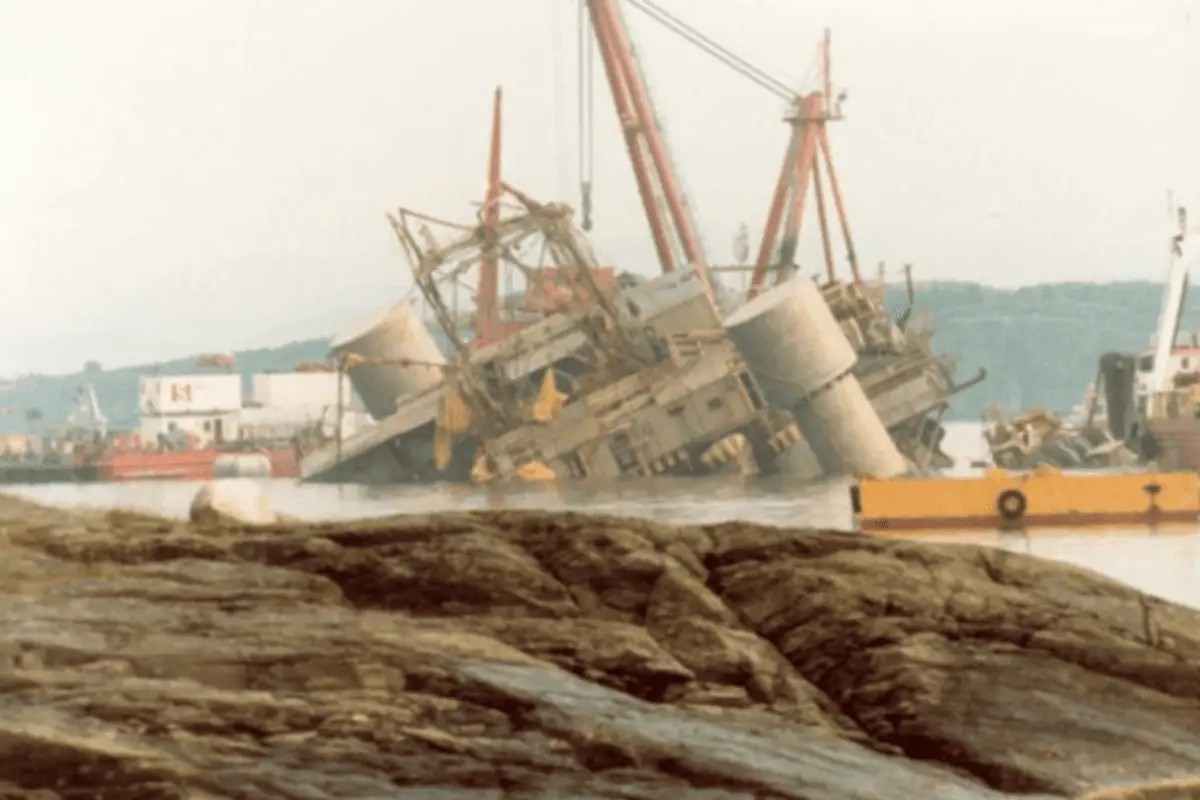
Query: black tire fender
(1011,504)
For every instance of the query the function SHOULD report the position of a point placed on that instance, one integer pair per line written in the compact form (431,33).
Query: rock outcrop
(532,655)
(232,501)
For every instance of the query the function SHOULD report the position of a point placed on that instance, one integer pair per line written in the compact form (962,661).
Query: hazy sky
(192,175)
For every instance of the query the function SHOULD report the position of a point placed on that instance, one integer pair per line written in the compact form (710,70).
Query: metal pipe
(341,390)
(811,123)
(775,213)
(826,244)
(827,80)
(851,256)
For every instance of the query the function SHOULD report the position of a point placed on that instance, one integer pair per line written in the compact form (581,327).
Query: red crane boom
(652,168)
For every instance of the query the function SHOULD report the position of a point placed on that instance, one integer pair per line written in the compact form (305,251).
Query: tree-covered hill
(1039,344)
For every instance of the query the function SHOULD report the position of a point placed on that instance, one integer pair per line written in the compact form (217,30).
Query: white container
(651,296)
(300,390)
(189,394)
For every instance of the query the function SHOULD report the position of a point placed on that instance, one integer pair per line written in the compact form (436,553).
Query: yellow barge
(1044,497)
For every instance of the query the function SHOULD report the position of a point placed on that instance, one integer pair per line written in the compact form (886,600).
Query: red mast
(808,155)
(487,295)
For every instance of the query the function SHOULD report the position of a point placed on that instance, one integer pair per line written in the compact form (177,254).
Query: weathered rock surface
(527,655)
(232,500)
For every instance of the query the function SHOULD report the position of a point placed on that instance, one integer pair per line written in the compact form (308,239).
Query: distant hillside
(1039,345)
(117,389)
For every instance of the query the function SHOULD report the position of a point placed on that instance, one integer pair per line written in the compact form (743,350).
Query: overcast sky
(191,175)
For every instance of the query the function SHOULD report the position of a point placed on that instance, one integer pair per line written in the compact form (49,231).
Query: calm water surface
(1163,562)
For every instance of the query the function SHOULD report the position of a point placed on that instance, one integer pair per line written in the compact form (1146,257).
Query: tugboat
(1153,399)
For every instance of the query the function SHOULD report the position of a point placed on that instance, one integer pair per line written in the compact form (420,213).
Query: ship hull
(1176,443)
(17,474)
(189,465)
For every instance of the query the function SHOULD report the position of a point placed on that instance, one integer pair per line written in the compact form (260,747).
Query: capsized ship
(633,380)
(906,384)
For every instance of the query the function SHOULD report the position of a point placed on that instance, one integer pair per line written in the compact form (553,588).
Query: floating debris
(1039,437)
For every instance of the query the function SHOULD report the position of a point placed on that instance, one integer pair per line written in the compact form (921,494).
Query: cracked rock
(536,655)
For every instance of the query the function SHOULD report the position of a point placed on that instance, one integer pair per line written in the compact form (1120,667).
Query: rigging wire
(685,31)
(586,116)
(561,145)
(740,65)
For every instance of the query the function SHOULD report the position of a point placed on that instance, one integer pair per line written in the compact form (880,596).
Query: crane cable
(714,49)
(586,116)
(586,93)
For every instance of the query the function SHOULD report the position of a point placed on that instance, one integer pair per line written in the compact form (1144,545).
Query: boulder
(238,501)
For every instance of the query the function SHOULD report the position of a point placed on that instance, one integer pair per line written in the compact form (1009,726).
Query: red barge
(184,465)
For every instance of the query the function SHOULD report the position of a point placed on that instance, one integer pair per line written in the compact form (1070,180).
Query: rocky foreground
(529,655)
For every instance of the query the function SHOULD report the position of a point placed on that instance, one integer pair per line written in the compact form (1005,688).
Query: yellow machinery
(1043,497)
